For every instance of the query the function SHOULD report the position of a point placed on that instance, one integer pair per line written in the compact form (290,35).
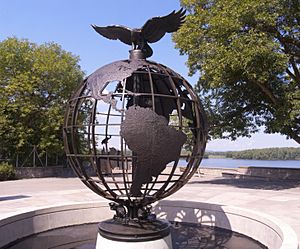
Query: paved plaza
(277,198)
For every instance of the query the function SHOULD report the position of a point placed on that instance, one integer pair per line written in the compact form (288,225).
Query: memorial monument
(128,127)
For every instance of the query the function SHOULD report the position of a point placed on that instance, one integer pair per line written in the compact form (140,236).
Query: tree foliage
(35,83)
(7,171)
(248,56)
(190,141)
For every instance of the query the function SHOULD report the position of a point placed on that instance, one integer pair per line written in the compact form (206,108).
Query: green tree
(248,56)
(35,83)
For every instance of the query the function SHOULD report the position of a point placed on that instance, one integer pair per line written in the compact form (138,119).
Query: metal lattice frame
(99,154)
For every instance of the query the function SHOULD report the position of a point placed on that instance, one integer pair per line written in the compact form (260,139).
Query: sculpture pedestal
(134,235)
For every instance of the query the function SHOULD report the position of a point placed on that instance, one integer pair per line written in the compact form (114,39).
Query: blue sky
(68,23)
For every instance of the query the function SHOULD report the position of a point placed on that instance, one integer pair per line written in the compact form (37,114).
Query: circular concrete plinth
(268,230)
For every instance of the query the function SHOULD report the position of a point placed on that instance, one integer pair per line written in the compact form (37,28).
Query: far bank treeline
(285,153)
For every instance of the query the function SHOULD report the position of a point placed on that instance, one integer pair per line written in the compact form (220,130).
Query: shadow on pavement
(252,183)
(197,225)
(13,197)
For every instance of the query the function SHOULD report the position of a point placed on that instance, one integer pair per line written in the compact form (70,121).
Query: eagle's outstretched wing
(155,28)
(115,32)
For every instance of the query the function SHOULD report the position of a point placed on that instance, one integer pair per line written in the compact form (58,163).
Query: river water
(234,163)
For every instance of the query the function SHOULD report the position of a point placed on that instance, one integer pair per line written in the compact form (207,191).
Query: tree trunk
(295,137)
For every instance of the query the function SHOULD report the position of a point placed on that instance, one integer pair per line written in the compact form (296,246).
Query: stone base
(142,234)
(164,243)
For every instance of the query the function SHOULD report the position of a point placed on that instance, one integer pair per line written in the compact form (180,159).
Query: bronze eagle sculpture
(152,31)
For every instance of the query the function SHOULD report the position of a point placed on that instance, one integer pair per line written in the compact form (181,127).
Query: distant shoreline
(235,163)
(285,153)
(230,158)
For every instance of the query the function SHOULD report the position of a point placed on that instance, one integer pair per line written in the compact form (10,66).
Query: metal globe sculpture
(135,132)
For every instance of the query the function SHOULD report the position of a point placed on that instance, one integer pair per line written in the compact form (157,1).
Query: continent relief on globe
(152,141)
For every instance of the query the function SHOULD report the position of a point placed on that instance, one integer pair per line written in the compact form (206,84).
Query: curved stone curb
(47,218)
(266,229)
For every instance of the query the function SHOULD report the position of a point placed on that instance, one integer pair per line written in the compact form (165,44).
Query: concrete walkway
(277,198)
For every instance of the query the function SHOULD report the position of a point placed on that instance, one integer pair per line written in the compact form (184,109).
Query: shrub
(7,172)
